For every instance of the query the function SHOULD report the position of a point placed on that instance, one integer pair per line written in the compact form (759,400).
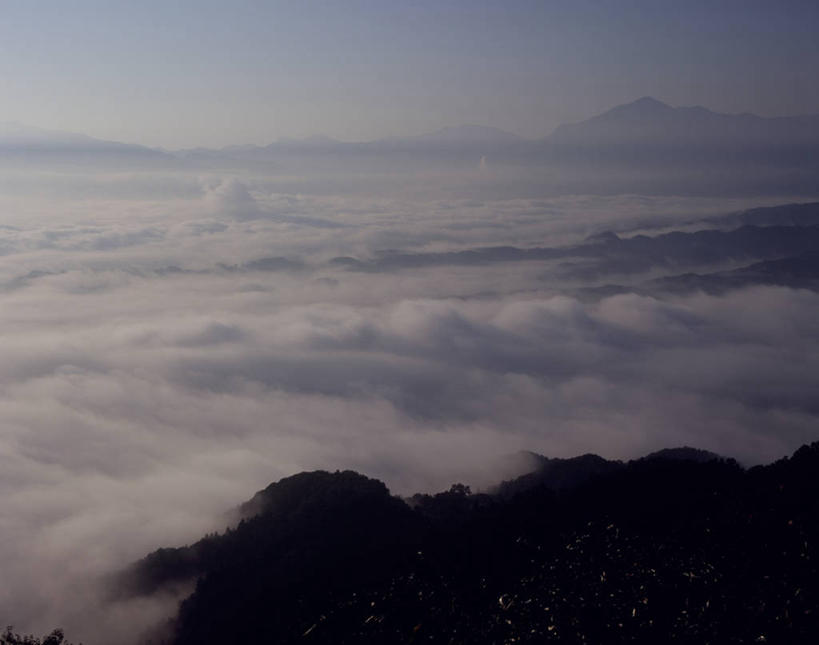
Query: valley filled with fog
(181,329)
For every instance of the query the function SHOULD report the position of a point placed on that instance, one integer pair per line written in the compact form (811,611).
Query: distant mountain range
(774,246)
(472,138)
(644,121)
(644,147)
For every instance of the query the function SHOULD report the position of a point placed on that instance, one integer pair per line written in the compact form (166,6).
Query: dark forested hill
(680,546)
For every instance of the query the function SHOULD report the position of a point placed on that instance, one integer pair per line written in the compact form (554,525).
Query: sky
(206,73)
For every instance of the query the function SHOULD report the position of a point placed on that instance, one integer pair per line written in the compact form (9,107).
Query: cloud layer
(165,356)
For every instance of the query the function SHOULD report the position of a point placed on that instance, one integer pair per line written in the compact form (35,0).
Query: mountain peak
(652,123)
(683,453)
(648,101)
(644,107)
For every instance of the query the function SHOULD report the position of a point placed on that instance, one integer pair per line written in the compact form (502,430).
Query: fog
(175,339)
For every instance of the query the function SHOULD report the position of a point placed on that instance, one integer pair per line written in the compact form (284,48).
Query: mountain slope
(677,547)
(20,137)
(647,121)
(29,145)
(607,253)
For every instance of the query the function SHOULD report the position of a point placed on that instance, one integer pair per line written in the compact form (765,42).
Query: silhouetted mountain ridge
(681,545)
(607,253)
(798,272)
(799,214)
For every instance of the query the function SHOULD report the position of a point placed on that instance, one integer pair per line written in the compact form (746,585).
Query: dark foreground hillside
(680,546)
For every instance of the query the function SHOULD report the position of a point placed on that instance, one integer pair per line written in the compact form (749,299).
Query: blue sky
(212,73)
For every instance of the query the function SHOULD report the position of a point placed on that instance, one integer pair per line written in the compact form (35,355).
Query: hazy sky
(208,72)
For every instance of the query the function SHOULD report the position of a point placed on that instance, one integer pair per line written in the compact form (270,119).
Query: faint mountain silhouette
(648,121)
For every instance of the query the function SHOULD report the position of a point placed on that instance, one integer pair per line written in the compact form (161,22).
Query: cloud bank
(165,356)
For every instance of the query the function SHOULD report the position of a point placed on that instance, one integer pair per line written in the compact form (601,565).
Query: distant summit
(645,107)
(649,121)
(684,453)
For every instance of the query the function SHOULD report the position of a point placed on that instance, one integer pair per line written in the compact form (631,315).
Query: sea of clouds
(172,343)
